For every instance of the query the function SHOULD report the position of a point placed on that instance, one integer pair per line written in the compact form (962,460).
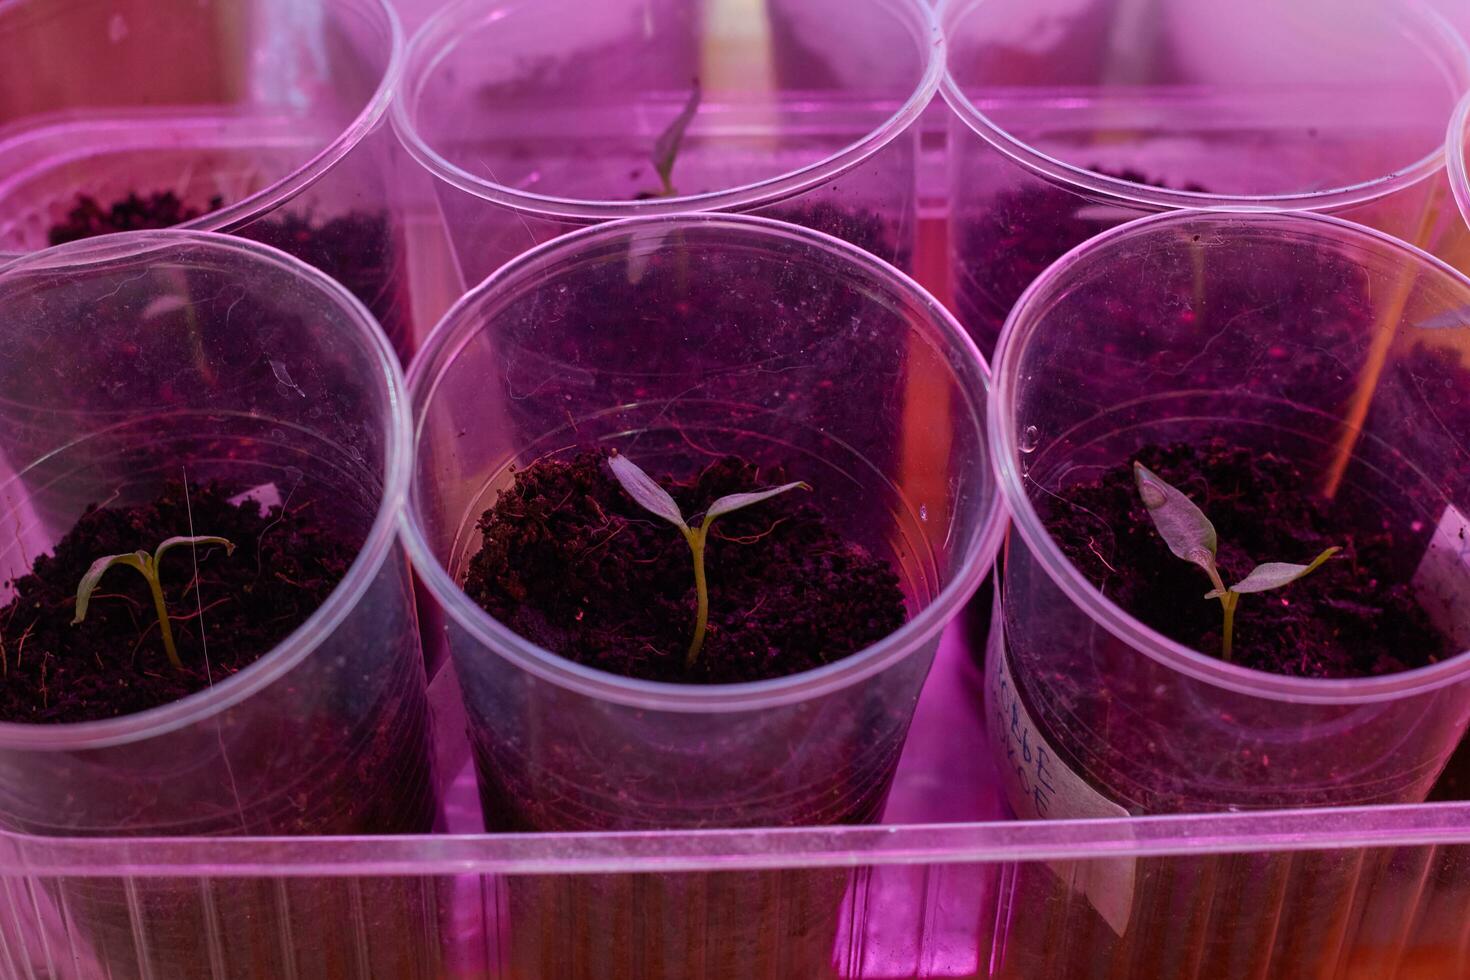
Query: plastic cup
(1292,378)
(541,116)
(1455,13)
(1223,325)
(1459,151)
(1075,116)
(1454,784)
(897,455)
(264,119)
(1459,168)
(147,357)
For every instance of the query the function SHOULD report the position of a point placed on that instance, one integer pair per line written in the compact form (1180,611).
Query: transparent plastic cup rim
(1459,151)
(1004,452)
(460,326)
(237,215)
(1452,47)
(381,537)
(445,29)
(990,842)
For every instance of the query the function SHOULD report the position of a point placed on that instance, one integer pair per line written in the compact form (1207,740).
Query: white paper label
(1039,786)
(267,495)
(1442,581)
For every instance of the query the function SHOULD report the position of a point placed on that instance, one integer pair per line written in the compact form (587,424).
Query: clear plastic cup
(146,357)
(1459,151)
(1369,421)
(541,116)
(1231,326)
(1455,783)
(263,119)
(1455,12)
(1075,116)
(870,393)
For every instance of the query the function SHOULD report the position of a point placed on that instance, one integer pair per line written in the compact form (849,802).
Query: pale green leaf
(1274,574)
(736,501)
(666,148)
(137,559)
(1183,526)
(645,492)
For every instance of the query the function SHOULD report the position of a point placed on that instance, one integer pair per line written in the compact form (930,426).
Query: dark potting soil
(747,331)
(355,248)
(1273,321)
(571,563)
(1347,619)
(857,226)
(1016,237)
(1430,397)
(162,209)
(175,356)
(113,663)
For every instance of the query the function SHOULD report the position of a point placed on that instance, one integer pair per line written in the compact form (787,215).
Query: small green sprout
(666,147)
(148,565)
(654,499)
(1190,536)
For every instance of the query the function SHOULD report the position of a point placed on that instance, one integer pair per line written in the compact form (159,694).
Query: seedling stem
(654,499)
(148,566)
(1190,536)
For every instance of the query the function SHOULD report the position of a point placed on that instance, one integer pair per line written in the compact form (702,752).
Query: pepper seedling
(666,147)
(1190,536)
(148,566)
(654,499)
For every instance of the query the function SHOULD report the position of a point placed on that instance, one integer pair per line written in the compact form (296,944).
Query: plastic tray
(928,894)
(932,893)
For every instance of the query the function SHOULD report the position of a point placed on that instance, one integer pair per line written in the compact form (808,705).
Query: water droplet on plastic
(1030,439)
(923,512)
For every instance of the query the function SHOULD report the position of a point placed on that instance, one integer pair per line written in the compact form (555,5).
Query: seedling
(654,499)
(1191,536)
(666,147)
(148,565)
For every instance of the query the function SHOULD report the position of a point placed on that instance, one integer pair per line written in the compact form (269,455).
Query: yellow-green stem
(696,541)
(1228,601)
(164,629)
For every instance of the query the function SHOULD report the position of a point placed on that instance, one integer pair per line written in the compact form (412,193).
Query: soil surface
(731,327)
(162,209)
(113,663)
(862,227)
(1347,619)
(570,562)
(178,355)
(1017,236)
(355,248)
